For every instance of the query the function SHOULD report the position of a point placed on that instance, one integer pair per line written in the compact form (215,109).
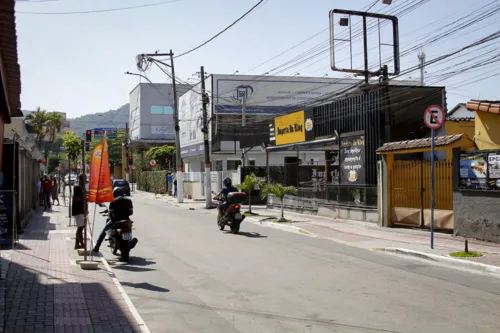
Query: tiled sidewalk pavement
(46,291)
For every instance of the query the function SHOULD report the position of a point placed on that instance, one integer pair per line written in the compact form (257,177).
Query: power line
(97,10)
(221,32)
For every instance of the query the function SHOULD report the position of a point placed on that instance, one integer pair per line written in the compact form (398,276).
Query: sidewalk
(47,291)
(401,241)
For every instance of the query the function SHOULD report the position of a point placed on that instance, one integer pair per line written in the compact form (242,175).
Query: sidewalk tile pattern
(44,292)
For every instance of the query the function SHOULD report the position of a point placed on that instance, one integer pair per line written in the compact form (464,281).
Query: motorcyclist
(228,188)
(120,209)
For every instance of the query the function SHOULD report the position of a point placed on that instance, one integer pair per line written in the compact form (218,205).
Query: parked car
(123,184)
(70,180)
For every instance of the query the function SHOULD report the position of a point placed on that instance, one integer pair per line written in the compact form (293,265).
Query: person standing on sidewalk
(39,186)
(78,212)
(55,191)
(47,191)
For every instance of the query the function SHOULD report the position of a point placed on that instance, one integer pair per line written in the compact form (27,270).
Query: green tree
(36,122)
(160,154)
(73,145)
(53,125)
(251,183)
(279,191)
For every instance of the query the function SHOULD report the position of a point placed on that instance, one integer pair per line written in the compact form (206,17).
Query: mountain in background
(111,119)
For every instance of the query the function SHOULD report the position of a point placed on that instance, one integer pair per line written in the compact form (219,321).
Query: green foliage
(279,191)
(250,184)
(150,181)
(73,145)
(463,254)
(160,153)
(36,121)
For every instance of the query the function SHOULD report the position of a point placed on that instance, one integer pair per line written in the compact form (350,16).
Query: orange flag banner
(100,190)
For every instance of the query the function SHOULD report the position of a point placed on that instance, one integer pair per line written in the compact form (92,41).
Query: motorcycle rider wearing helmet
(120,209)
(228,188)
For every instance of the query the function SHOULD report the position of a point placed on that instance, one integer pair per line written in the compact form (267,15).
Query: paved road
(187,276)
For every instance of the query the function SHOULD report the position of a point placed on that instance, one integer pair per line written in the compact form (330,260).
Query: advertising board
(271,94)
(291,128)
(191,120)
(352,159)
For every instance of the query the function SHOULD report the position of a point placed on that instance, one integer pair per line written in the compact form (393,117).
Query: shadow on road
(128,268)
(145,286)
(135,264)
(248,234)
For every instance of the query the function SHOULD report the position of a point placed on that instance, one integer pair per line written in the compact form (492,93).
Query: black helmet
(118,192)
(227,182)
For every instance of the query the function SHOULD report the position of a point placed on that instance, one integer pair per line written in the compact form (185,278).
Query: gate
(411,183)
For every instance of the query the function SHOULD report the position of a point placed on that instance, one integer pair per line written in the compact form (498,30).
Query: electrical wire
(221,32)
(97,10)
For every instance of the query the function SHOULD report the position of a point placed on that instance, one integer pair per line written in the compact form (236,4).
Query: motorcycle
(120,237)
(232,215)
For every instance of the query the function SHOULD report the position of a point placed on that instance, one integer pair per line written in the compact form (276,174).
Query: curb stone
(455,263)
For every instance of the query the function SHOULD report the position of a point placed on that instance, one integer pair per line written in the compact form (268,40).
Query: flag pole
(84,191)
(104,143)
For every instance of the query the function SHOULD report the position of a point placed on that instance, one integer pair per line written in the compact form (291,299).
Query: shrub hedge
(150,181)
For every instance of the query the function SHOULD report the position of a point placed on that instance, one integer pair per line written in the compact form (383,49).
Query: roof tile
(419,143)
(483,105)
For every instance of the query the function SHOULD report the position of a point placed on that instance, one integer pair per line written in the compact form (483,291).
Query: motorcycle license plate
(237,216)
(127,236)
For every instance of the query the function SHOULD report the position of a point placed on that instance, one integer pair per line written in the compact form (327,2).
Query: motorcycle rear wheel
(235,228)
(124,251)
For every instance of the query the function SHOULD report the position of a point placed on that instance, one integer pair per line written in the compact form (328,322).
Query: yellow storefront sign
(290,128)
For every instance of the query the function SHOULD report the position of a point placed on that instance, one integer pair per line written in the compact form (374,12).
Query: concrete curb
(455,263)
(144,328)
(280,226)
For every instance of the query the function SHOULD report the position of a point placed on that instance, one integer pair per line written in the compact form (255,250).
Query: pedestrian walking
(39,186)
(175,188)
(55,191)
(169,183)
(78,213)
(47,191)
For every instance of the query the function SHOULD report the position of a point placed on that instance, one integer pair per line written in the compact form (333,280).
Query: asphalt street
(187,276)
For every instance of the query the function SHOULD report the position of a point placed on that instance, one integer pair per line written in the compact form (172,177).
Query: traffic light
(130,160)
(88,135)
(87,146)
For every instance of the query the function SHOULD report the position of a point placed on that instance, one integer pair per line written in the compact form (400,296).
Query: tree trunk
(250,202)
(282,208)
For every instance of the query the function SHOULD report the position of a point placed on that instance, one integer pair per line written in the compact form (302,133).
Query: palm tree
(53,124)
(250,183)
(279,191)
(36,122)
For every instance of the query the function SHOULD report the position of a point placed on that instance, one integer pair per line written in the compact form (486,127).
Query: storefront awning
(318,145)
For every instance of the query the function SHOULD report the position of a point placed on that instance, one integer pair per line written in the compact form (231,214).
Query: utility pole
(208,178)
(125,144)
(178,161)
(244,111)
(421,58)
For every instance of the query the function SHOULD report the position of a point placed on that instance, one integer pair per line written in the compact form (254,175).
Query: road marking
(126,298)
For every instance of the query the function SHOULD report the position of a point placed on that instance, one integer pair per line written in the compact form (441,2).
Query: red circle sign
(434,117)
(152,163)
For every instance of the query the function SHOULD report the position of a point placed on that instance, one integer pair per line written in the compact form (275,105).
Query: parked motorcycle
(120,238)
(232,216)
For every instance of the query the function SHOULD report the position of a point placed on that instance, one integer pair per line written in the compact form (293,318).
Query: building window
(233,164)
(161,109)
(251,162)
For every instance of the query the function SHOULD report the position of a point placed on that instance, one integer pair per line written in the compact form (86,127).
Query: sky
(75,63)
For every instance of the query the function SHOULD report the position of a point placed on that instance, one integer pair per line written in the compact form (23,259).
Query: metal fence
(318,181)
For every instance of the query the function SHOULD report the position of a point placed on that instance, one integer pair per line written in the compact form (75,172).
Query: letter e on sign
(434,117)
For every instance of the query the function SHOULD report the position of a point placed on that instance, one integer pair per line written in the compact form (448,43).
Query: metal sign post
(433,118)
